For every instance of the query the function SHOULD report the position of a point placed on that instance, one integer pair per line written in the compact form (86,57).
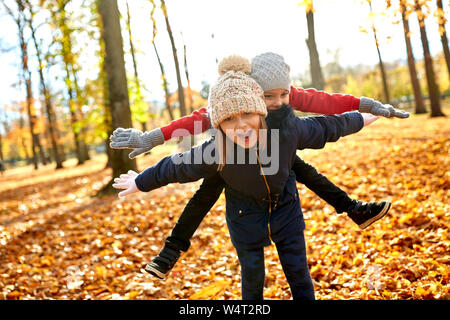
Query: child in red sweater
(305,100)
(272,74)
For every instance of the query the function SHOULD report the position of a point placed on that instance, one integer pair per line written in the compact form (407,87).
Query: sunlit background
(212,29)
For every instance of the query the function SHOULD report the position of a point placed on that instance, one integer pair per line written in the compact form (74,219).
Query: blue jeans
(292,254)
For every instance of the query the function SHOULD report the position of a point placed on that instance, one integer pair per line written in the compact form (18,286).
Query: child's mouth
(245,137)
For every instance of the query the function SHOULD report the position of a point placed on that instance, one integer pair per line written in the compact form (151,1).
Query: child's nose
(240,124)
(278,102)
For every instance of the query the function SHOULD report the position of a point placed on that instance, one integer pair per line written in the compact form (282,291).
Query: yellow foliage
(210,291)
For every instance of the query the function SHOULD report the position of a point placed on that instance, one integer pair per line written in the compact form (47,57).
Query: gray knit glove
(136,139)
(374,107)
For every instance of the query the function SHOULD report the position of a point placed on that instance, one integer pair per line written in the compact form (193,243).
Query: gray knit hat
(270,71)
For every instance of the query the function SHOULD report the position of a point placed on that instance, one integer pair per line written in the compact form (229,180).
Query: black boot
(366,213)
(161,265)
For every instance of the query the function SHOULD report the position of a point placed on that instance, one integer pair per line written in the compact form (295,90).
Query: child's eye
(284,94)
(267,97)
(227,119)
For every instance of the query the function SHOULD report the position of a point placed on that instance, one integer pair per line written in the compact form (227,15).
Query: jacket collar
(282,119)
(277,118)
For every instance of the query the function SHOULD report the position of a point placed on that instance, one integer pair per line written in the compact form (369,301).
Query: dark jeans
(211,188)
(292,254)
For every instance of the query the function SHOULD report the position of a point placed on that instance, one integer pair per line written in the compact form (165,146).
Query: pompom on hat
(235,63)
(235,91)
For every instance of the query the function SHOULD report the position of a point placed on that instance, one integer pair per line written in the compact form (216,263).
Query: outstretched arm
(196,123)
(184,167)
(314,132)
(321,102)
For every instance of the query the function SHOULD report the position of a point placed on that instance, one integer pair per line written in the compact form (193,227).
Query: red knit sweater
(306,100)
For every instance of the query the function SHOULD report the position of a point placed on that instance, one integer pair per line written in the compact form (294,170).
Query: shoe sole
(155,272)
(382,213)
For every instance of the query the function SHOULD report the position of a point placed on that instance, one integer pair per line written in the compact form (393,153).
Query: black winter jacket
(259,207)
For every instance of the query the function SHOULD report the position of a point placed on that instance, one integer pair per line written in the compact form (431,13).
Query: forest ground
(59,241)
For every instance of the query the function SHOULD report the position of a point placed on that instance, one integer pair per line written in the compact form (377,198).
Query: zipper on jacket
(268,193)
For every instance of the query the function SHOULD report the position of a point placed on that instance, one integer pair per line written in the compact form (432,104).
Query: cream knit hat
(235,91)
(270,71)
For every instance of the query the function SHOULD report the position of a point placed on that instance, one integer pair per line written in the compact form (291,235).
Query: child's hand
(126,181)
(369,118)
(135,139)
(377,108)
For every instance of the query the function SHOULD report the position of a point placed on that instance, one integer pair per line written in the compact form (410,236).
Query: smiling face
(242,128)
(275,98)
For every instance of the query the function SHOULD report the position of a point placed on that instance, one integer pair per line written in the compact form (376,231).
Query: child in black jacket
(261,208)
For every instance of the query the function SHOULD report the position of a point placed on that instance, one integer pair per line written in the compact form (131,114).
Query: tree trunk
(117,85)
(32,124)
(165,85)
(175,59)
(78,126)
(26,76)
(133,56)
(74,119)
(418,97)
(1,148)
(80,101)
(36,145)
(317,79)
(380,61)
(107,118)
(443,34)
(161,66)
(108,124)
(48,104)
(4,123)
(188,89)
(107,121)
(23,141)
(383,75)
(433,89)
(191,138)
